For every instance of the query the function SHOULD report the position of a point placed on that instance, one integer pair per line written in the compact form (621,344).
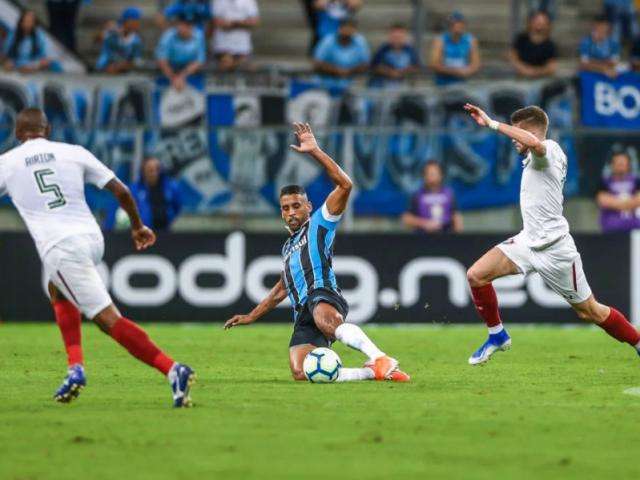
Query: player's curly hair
(532,116)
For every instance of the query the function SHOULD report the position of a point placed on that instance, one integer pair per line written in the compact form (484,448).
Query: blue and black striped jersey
(307,257)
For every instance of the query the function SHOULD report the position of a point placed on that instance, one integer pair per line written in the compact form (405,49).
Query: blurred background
(190,102)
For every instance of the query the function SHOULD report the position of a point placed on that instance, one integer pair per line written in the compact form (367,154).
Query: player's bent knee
(474,278)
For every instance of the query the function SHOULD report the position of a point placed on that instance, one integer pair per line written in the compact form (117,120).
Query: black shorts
(305,330)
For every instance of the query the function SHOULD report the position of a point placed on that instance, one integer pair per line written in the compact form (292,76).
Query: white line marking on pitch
(632,391)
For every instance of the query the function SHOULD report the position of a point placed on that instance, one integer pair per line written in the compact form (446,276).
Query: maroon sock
(68,319)
(138,344)
(619,328)
(486,303)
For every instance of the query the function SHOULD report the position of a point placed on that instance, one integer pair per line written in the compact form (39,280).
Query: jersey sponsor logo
(253,278)
(294,247)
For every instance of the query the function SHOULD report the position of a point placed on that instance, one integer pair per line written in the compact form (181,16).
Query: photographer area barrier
(385,278)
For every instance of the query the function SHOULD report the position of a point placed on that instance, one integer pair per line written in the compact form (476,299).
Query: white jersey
(46,183)
(541,196)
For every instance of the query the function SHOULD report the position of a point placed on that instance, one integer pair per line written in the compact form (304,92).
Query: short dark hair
(432,163)
(601,19)
(349,22)
(618,153)
(398,26)
(292,190)
(531,115)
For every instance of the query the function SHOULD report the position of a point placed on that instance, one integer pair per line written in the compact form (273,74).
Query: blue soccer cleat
(182,378)
(496,342)
(73,383)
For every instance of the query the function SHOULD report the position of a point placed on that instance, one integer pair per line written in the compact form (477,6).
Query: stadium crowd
(218,33)
(199,34)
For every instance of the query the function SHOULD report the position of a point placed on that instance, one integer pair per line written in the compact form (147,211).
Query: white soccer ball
(322,365)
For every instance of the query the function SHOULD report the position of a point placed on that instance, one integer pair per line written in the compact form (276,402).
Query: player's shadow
(274,381)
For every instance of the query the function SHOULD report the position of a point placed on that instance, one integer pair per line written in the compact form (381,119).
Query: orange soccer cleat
(383,367)
(399,376)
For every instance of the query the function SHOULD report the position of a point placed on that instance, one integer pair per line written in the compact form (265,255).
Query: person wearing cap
(455,55)
(181,52)
(121,45)
(197,11)
(341,56)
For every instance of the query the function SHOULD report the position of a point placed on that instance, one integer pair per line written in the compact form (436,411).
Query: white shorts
(559,265)
(71,266)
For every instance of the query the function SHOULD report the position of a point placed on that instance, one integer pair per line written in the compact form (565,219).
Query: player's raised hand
(143,237)
(478,115)
(237,320)
(305,137)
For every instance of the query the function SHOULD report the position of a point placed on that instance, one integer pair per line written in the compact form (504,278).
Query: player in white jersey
(46,181)
(544,245)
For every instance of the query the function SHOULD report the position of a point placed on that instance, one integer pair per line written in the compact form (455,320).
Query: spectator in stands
(331,13)
(4,33)
(619,196)
(533,53)
(157,195)
(621,14)
(121,45)
(635,55)
(433,208)
(600,51)
(396,59)
(197,12)
(26,48)
(340,56)
(181,52)
(455,55)
(233,21)
(63,18)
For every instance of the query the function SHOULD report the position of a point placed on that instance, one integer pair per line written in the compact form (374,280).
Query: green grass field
(552,407)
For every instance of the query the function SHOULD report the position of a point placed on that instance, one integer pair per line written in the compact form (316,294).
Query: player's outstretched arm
(277,294)
(338,198)
(143,236)
(527,139)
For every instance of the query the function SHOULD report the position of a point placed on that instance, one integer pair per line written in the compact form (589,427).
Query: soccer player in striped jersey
(309,281)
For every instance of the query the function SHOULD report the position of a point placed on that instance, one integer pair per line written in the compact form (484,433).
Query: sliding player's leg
(306,337)
(68,318)
(329,311)
(508,258)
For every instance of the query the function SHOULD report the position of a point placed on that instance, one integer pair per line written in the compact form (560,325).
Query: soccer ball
(322,365)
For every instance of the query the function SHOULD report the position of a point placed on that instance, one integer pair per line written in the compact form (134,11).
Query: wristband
(493,124)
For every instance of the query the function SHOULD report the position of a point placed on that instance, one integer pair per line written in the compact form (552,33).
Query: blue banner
(229,148)
(610,102)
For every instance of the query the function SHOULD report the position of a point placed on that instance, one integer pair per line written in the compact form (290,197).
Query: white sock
(355,374)
(353,336)
(497,329)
